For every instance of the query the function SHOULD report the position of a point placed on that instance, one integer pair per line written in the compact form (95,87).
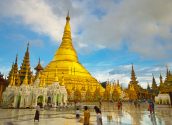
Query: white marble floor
(128,116)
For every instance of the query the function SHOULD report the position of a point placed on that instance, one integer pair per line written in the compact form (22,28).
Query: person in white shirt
(98,116)
(77,114)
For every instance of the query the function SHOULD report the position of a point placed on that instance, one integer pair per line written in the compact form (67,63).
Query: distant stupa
(66,66)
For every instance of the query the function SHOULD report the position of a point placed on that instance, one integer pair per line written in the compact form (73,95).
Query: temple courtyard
(129,115)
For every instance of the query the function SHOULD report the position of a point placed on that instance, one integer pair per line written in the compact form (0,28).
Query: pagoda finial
(16,58)
(68,17)
(27,47)
(160,78)
(39,62)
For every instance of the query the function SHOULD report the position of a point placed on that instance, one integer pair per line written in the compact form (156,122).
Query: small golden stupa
(67,67)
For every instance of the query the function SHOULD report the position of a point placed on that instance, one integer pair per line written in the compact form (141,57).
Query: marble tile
(129,115)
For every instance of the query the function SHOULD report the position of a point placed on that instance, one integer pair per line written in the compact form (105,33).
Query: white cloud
(35,14)
(144,25)
(105,76)
(103,24)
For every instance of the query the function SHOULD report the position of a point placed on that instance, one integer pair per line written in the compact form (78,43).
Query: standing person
(86,116)
(37,113)
(98,116)
(152,106)
(119,104)
(77,114)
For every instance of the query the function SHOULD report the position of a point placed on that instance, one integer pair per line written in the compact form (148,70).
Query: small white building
(28,96)
(163,99)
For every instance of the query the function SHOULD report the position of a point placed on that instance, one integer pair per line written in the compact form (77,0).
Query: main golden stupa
(66,66)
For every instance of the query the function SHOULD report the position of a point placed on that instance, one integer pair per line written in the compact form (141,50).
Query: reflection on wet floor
(129,115)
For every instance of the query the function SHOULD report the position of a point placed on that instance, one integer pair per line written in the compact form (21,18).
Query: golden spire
(27,48)
(154,85)
(38,68)
(66,50)
(133,76)
(148,86)
(161,79)
(66,61)
(25,66)
(16,59)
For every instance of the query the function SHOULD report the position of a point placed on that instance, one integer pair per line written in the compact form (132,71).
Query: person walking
(77,114)
(119,105)
(37,113)
(152,106)
(86,116)
(98,116)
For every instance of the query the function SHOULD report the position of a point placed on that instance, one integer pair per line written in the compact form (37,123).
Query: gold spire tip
(68,17)
(27,46)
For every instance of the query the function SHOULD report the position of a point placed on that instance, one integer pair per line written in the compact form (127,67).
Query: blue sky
(108,35)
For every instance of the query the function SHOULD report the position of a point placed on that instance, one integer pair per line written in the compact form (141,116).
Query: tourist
(77,114)
(98,116)
(86,116)
(119,105)
(37,113)
(135,104)
(152,107)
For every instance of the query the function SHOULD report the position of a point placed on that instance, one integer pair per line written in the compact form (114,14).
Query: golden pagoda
(133,82)
(14,75)
(166,86)
(25,67)
(66,65)
(11,73)
(38,68)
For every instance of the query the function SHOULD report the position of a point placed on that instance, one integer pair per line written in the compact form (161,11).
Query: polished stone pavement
(129,115)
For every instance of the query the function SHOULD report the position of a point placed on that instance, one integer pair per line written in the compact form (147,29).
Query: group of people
(86,120)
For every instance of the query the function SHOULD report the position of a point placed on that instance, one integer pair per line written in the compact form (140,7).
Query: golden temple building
(135,91)
(66,65)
